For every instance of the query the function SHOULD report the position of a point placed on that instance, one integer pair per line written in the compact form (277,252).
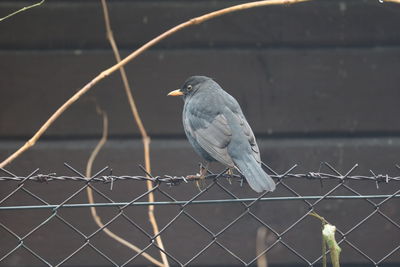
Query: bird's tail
(258,180)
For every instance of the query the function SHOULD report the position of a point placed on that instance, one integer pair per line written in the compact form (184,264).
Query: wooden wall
(317,81)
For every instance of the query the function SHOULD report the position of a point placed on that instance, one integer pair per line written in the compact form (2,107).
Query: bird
(218,131)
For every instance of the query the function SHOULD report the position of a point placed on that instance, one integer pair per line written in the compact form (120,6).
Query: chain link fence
(45,218)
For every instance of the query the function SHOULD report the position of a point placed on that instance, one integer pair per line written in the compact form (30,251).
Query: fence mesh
(45,218)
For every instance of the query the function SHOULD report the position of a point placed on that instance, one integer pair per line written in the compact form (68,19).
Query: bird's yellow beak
(175,92)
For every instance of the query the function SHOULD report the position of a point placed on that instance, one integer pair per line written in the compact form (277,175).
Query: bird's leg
(203,170)
(202,175)
(230,175)
(242,178)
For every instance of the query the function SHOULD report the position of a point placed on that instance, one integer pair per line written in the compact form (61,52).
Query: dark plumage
(218,131)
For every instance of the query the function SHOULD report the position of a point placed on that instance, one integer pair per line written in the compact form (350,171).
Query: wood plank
(74,24)
(282,91)
(184,239)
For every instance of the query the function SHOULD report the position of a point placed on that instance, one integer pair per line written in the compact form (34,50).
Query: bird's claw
(201,176)
(229,172)
(203,171)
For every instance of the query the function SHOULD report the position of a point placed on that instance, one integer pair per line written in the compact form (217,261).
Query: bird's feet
(200,181)
(203,171)
(229,172)
(200,177)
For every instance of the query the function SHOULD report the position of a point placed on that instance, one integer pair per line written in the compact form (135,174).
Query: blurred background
(317,81)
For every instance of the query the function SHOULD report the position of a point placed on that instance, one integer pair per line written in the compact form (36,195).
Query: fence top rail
(208,201)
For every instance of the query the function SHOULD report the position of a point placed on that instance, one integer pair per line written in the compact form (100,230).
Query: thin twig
(31,142)
(261,238)
(323,245)
(89,192)
(21,10)
(322,219)
(143,132)
(393,1)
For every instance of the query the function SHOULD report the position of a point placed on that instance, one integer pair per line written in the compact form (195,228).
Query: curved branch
(145,141)
(31,142)
(89,191)
(21,10)
(393,1)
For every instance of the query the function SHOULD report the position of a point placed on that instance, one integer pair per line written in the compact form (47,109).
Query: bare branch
(31,142)
(139,123)
(21,10)
(90,196)
(261,239)
(393,1)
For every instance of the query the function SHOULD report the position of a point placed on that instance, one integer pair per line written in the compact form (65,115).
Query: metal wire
(280,238)
(173,180)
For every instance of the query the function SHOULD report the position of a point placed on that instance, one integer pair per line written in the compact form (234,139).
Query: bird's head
(191,86)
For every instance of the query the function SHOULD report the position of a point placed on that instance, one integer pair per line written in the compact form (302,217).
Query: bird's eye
(189,87)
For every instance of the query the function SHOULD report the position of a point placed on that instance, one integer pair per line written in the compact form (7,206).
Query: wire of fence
(341,188)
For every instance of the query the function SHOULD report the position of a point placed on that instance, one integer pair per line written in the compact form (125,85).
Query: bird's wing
(250,135)
(213,137)
(234,106)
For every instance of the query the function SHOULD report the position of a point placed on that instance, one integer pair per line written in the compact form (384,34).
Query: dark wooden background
(317,81)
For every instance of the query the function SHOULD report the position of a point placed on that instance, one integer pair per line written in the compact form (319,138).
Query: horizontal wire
(216,201)
(176,179)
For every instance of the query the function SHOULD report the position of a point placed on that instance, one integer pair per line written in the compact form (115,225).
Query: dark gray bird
(218,131)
